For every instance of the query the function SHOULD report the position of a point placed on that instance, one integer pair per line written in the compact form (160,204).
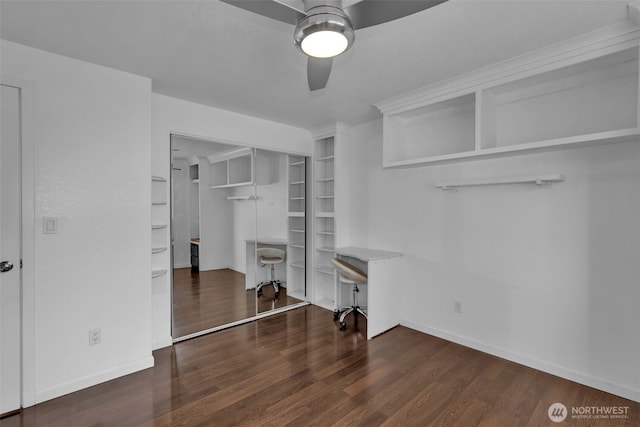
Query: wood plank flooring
(212,298)
(297,369)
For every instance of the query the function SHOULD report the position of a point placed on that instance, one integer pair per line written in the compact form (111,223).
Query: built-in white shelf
(242,198)
(578,93)
(296,180)
(540,180)
(299,294)
(195,181)
(325,214)
(325,270)
(325,303)
(324,219)
(326,158)
(325,249)
(158,273)
(159,196)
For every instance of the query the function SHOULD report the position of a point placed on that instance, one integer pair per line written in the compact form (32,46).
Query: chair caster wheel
(260,292)
(277,294)
(336,315)
(343,326)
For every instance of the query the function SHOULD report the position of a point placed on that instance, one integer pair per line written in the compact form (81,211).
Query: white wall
(216,223)
(547,277)
(170,115)
(92,172)
(182,204)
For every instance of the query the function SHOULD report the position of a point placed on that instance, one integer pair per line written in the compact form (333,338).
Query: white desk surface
(366,254)
(269,241)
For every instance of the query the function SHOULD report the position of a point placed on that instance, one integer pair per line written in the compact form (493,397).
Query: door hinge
(21,264)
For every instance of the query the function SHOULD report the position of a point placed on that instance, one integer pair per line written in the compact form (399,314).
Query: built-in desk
(382,291)
(253,265)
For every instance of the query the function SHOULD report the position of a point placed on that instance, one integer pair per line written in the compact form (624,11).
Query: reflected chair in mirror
(270,257)
(349,275)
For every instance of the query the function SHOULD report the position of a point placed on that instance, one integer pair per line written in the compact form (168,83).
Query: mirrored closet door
(213,230)
(282,237)
(238,233)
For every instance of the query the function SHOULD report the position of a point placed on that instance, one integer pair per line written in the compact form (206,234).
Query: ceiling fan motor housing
(324,18)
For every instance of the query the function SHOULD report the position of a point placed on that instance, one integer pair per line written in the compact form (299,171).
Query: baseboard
(94,379)
(162,343)
(559,371)
(188,265)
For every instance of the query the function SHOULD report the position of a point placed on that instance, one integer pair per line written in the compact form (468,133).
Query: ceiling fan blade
(367,13)
(273,9)
(318,71)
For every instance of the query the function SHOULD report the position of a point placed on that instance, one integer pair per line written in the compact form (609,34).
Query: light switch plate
(49,225)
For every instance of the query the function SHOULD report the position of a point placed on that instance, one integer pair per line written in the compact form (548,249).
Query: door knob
(5,266)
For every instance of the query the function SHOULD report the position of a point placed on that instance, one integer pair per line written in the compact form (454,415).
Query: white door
(10,237)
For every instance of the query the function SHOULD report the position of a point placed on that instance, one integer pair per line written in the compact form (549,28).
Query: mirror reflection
(281,243)
(238,233)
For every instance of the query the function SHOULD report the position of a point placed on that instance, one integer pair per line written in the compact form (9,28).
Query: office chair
(352,276)
(270,256)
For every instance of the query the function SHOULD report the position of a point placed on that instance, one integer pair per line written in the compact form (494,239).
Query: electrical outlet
(95,336)
(457,306)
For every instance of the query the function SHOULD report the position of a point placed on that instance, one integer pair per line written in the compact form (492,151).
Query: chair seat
(349,272)
(271,260)
(271,255)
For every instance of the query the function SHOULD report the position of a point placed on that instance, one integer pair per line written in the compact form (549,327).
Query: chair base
(342,314)
(276,286)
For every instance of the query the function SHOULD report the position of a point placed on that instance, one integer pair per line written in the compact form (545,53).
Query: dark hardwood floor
(212,298)
(296,368)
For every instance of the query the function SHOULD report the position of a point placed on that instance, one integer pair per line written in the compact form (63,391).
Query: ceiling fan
(324,29)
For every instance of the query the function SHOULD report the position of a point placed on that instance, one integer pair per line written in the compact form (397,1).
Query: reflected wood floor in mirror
(297,368)
(216,297)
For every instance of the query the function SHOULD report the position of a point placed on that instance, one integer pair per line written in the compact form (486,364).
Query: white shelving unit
(580,92)
(324,221)
(297,226)
(158,229)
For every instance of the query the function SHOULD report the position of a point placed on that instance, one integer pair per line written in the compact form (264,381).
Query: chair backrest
(349,271)
(271,255)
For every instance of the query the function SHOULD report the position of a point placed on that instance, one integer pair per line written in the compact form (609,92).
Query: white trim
(182,265)
(94,379)
(162,343)
(27,100)
(597,43)
(240,322)
(601,384)
(236,143)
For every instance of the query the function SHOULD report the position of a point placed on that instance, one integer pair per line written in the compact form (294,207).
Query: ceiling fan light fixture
(325,32)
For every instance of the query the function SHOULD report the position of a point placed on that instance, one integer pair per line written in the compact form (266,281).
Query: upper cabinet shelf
(240,167)
(580,92)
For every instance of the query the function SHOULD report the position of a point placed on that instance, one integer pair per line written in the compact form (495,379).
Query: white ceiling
(215,54)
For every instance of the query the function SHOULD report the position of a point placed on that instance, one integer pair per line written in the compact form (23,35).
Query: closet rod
(540,180)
